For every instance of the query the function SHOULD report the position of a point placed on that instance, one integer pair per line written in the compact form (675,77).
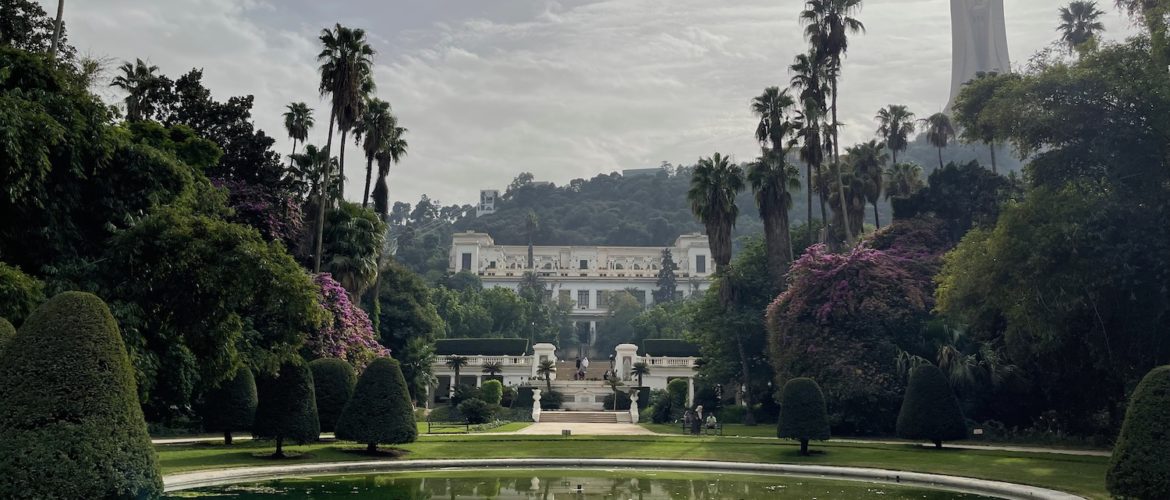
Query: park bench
(438,425)
(715,429)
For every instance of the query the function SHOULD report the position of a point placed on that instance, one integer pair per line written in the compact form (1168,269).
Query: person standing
(577,372)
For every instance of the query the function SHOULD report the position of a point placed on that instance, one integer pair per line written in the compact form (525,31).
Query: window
(466,262)
(603,298)
(583,299)
(492,265)
(701,264)
(584,264)
(563,296)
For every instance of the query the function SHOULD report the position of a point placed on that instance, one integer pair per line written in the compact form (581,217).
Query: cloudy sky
(563,89)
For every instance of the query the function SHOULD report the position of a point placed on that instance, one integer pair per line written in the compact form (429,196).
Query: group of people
(693,420)
(582,367)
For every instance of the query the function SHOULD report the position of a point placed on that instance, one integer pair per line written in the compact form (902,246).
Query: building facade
(584,275)
(487,202)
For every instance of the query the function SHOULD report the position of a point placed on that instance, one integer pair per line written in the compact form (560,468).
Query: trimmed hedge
(7,332)
(288,406)
(930,409)
(483,347)
(69,408)
(333,383)
(548,400)
(476,411)
(803,414)
(19,294)
(231,406)
(379,411)
(491,392)
(669,347)
(1140,466)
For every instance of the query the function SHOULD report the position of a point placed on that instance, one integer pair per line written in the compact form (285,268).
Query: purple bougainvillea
(349,334)
(276,214)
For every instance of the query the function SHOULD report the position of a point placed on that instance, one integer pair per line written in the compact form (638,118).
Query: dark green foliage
(288,406)
(407,324)
(551,400)
(660,408)
(491,392)
(523,399)
(1140,467)
(667,281)
(333,383)
(231,406)
(476,411)
(7,332)
(677,389)
(803,415)
(669,347)
(379,411)
(930,410)
(67,390)
(19,293)
(484,347)
(962,196)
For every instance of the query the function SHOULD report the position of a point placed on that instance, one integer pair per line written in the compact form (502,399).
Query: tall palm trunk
(821,199)
(369,176)
(876,223)
(323,193)
(809,179)
(940,163)
(290,155)
(341,162)
(779,243)
(837,162)
(57,30)
(991,147)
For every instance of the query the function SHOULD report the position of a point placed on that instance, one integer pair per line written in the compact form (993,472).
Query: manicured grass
(730,430)
(508,427)
(1074,474)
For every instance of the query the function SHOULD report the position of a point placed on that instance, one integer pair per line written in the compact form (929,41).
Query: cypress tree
(930,409)
(1140,466)
(7,332)
(379,411)
(69,410)
(231,406)
(288,406)
(803,415)
(333,381)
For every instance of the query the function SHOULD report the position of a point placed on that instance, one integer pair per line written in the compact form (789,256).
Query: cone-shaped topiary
(1140,467)
(491,392)
(930,410)
(803,415)
(288,406)
(379,411)
(333,380)
(69,410)
(7,332)
(231,406)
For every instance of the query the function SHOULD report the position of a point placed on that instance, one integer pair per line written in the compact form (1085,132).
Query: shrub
(930,410)
(476,411)
(523,399)
(231,406)
(492,392)
(379,411)
(623,401)
(463,392)
(69,408)
(803,415)
(1140,467)
(19,293)
(7,332)
(551,400)
(288,406)
(660,407)
(678,393)
(333,382)
(508,396)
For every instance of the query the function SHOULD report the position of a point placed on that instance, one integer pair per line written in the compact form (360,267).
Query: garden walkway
(582,429)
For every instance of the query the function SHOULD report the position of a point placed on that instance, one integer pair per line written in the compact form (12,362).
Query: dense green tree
(230,406)
(930,410)
(19,293)
(671,320)
(715,183)
(67,390)
(618,325)
(408,324)
(667,283)
(802,413)
(333,383)
(962,196)
(1138,466)
(287,410)
(25,25)
(7,333)
(976,112)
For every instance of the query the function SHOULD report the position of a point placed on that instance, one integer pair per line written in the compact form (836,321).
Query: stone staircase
(585,417)
(596,371)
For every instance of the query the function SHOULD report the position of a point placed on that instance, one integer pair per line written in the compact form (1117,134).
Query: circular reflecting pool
(569,484)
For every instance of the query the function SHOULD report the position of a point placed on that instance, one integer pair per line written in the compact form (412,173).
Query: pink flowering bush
(349,335)
(276,214)
(844,317)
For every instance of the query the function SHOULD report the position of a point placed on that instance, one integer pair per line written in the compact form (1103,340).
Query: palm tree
(939,132)
(829,24)
(546,369)
(393,151)
(1080,22)
(57,30)
(772,177)
(640,369)
(903,179)
(355,237)
(308,170)
(842,180)
(895,124)
(345,75)
(376,125)
(867,159)
(809,76)
(298,120)
(614,384)
(715,182)
(493,368)
(456,363)
(138,80)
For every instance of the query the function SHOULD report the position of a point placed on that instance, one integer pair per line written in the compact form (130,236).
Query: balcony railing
(670,362)
(483,360)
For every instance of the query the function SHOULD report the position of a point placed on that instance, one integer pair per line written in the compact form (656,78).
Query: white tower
(978,41)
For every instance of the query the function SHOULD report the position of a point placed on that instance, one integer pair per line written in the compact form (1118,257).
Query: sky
(563,89)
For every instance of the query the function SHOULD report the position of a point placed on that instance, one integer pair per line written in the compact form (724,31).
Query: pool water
(541,484)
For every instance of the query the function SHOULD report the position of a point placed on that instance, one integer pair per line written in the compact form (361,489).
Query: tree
(939,132)
(58,28)
(867,159)
(962,196)
(802,413)
(492,368)
(491,392)
(978,112)
(68,390)
(288,406)
(456,363)
(20,293)
(614,384)
(408,324)
(829,24)
(7,333)
(895,124)
(772,177)
(380,411)
(25,25)
(640,369)
(393,151)
(140,81)
(1080,22)
(353,241)
(809,75)
(231,406)
(547,369)
(930,410)
(298,120)
(714,185)
(667,283)
(333,383)
(347,334)
(346,66)
(377,125)
(903,180)
(308,174)
(1138,466)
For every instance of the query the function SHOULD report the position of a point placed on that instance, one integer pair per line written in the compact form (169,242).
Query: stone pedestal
(627,355)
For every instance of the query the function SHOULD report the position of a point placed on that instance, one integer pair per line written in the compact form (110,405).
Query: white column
(479,380)
(690,391)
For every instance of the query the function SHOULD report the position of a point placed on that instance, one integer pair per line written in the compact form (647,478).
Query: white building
(487,202)
(584,275)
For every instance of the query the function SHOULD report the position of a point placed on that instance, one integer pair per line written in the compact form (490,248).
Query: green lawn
(508,427)
(1075,474)
(730,430)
